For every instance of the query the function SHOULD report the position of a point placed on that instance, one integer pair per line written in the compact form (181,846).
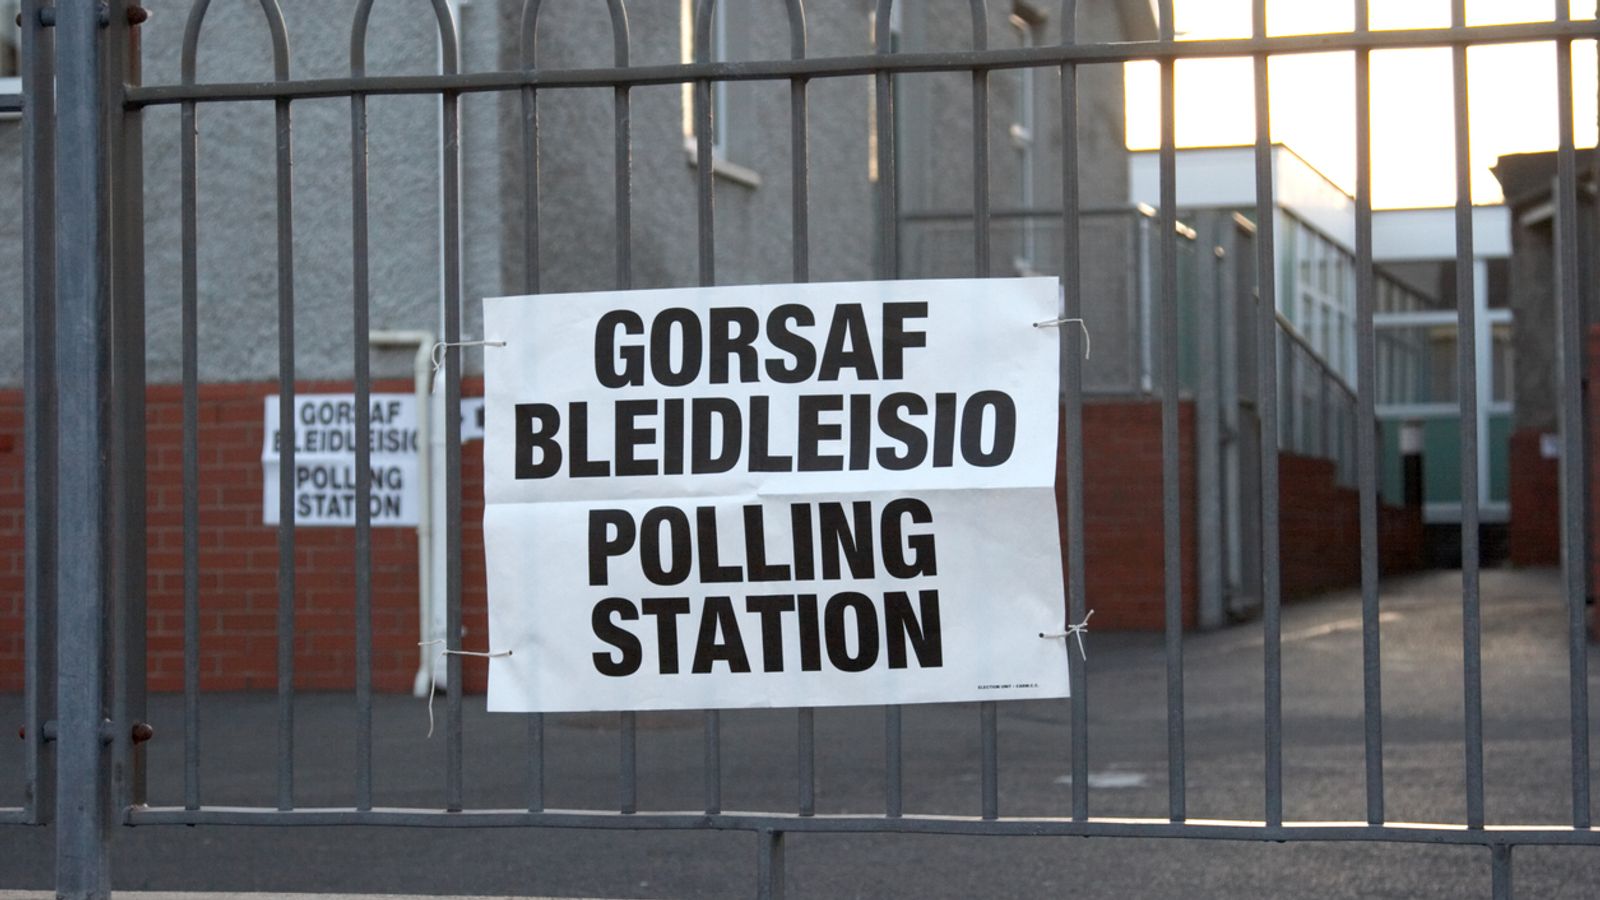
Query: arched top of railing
(450,45)
(705,9)
(280,39)
(883,30)
(619,32)
(797,28)
(980,24)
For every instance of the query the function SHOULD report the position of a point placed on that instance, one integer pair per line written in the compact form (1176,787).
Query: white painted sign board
(325,460)
(774,495)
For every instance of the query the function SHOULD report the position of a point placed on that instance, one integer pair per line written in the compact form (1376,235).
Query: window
(724,114)
(1026,20)
(10,49)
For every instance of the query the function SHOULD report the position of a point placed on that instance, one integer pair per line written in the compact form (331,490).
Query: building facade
(567,243)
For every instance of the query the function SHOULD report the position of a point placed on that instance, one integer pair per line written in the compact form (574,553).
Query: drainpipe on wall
(436,620)
(421,374)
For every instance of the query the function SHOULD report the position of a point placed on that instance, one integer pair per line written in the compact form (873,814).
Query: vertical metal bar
(1325,409)
(769,865)
(988,718)
(124,128)
(888,267)
(1267,386)
(705,164)
(705,140)
(622,162)
(530,157)
(450,176)
(39,408)
(623,155)
(628,764)
(1171,524)
(83,388)
(893,775)
(989,757)
(1500,871)
(191,452)
(887,202)
(806,745)
(1072,412)
(361,328)
(980,150)
(536,762)
(530,284)
(713,776)
(1467,387)
(799,159)
(1574,474)
(1139,303)
(1208,441)
(800,249)
(286,391)
(1366,433)
(286,394)
(1289,358)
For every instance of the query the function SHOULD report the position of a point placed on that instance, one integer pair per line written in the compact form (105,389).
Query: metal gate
(86,459)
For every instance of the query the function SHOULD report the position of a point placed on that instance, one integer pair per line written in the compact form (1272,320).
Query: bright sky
(1511,89)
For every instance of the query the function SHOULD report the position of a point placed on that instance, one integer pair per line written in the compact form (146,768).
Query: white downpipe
(421,374)
(436,621)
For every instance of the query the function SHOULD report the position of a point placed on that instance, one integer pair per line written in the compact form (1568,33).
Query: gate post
(82,378)
(39,418)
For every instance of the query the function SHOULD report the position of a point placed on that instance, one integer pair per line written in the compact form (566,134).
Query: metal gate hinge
(139,733)
(48,729)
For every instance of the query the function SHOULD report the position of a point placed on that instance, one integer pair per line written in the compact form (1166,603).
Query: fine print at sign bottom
(776,495)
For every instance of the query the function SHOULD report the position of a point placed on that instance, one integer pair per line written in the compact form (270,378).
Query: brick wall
(1534,530)
(1593,419)
(1319,533)
(239,559)
(239,556)
(11,524)
(1123,563)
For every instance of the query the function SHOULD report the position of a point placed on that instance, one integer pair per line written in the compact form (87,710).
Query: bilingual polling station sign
(773,495)
(325,460)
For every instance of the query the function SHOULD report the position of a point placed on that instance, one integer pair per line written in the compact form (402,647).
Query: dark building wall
(1526,179)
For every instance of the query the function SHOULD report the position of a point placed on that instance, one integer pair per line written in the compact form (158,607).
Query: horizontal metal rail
(845,66)
(1304,343)
(1208,829)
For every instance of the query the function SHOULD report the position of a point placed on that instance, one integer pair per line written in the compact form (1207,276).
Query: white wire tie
(1057,323)
(1073,631)
(439,349)
(433,670)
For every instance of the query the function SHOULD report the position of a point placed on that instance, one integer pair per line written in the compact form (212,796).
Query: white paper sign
(325,460)
(773,495)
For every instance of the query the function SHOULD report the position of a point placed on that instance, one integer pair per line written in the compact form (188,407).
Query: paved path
(1527,767)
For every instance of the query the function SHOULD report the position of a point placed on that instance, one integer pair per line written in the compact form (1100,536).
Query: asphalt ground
(1526,758)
